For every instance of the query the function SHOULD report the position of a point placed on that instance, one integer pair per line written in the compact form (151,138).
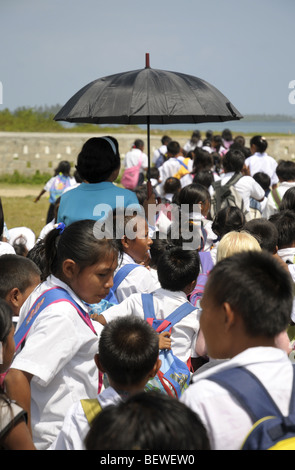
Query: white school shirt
(271,206)
(265,163)
(247,187)
(75,426)
(169,168)
(158,152)
(132,159)
(139,280)
(59,352)
(226,421)
(183,334)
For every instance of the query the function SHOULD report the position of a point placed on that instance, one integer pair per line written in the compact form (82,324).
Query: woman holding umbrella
(98,164)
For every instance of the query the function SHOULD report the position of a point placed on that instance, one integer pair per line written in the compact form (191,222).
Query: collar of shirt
(254,355)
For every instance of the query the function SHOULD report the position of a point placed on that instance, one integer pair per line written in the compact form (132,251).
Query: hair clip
(61,226)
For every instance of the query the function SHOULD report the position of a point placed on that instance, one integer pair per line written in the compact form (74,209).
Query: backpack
(271,430)
(226,195)
(174,375)
(130,176)
(118,278)
(206,266)
(59,184)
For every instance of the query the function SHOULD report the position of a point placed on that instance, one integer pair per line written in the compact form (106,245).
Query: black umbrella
(148,96)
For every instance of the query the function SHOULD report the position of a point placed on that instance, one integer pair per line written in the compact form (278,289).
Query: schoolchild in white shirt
(286,174)
(55,366)
(247,302)
(132,233)
(177,270)
(260,160)
(128,353)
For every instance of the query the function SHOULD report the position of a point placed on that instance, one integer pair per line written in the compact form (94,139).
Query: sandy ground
(16,191)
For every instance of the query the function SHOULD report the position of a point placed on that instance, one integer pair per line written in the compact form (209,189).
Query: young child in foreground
(129,355)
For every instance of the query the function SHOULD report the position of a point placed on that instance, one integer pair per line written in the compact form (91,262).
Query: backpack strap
(91,408)
(250,392)
(276,197)
(49,297)
(182,163)
(122,273)
(174,317)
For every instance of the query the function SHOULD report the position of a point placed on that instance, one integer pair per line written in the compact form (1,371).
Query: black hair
(165,139)
(147,421)
(259,142)
(63,167)
(204,177)
(217,139)
(265,233)
(97,160)
(202,161)
(160,243)
(16,271)
(173,147)
(128,350)
(153,172)
(227,135)
(288,200)
(233,160)
(171,185)
(286,170)
(79,243)
(6,315)
(196,136)
(227,220)
(38,256)
(285,223)
(263,179)
(1,220)
(138,143)
(177,268)
(193,193)
(257,287)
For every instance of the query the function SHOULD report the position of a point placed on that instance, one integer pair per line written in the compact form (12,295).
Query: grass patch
(23,212)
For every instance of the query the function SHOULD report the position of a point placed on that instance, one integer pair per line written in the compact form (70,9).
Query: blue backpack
(174,375)
(271,430)
(206,266)
(118,278)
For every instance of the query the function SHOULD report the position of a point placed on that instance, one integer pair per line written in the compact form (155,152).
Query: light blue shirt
(93,201)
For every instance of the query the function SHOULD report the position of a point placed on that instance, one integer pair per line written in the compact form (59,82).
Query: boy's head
(172,185)
(265,232)
(286,170)
(154,421)
(233,160)
(173,148)
(284,221)
(18,278)
(178,269)
(128,352)
(247,301)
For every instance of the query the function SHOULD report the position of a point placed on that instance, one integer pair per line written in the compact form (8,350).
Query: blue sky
(52,48)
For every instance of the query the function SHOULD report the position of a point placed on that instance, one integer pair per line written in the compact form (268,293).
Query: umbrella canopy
(148,96)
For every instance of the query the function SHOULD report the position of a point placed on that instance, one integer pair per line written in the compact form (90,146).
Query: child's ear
(69,268)
(98,363)
(229,316)
(13,296)
(125,242)
(190,287)
(156,368)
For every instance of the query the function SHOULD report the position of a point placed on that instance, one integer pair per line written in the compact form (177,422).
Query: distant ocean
(243,126)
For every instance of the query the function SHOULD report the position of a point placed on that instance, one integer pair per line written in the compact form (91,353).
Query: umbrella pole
(149,184)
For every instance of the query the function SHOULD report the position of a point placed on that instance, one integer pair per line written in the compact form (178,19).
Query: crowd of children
(116,333)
